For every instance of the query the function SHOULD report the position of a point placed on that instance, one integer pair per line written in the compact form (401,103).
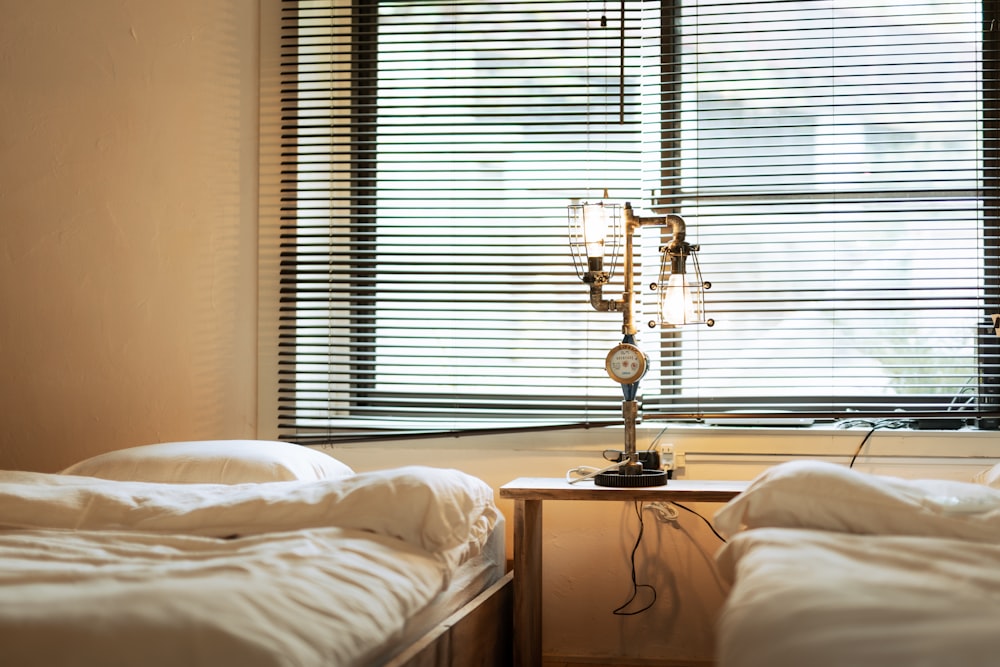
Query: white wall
(128,207)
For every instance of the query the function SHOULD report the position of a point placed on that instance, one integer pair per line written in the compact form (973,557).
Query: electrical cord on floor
(620,611)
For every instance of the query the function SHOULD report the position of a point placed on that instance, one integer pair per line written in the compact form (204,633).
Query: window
(832,155)
(834,160)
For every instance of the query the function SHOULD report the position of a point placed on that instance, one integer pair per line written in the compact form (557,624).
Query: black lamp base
(626,481)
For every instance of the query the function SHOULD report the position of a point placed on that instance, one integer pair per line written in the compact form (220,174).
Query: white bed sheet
(120,573)
(813,598)
(831,567)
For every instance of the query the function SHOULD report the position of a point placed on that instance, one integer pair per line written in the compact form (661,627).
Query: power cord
(874,425)
(620,611)
(666,513)
(700,516)
(580,473)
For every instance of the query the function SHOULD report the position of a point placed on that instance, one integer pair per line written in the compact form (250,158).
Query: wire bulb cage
(680,289)
(595,237)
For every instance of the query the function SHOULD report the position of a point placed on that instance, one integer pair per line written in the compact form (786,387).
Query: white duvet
(96,572)
(833,567)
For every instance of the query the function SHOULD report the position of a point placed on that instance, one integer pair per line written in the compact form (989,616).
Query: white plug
(667,456)
(671,458)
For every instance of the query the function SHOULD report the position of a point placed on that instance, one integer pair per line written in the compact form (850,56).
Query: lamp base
(626,481)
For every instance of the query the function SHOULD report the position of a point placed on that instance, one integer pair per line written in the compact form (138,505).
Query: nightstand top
(557,488)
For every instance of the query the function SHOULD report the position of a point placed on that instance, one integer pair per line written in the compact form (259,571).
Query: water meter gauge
(626,363)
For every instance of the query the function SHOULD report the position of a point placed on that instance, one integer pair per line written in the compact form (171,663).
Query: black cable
(707,522)
(655,440)
(861,446)
(636,586)
(875,425)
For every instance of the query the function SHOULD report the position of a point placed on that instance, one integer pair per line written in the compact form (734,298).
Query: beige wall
(127,225)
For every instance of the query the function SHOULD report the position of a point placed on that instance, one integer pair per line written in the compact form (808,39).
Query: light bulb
(680,301)
(595,229)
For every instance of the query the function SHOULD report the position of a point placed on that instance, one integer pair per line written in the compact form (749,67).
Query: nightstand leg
(528,583)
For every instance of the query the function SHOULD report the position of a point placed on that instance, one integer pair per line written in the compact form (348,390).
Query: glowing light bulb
(595,229)
(681,302)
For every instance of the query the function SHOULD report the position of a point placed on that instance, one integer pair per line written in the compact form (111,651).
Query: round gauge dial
(626,363)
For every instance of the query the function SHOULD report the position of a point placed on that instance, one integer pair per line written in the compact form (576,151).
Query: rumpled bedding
(832,567)
(97,572)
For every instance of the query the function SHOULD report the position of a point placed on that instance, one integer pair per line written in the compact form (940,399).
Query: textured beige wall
(128,215)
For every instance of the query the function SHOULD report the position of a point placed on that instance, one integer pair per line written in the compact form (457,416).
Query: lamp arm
(678,228)
(599,303)
(679,231)
(677,247)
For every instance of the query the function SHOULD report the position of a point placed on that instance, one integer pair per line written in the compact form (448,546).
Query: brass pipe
(630,461)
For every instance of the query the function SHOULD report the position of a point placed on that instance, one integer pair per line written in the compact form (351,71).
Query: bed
(829,566)
(250,553)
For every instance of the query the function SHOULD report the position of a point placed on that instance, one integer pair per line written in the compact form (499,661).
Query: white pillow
(212,462)
(826,496)
(436,509)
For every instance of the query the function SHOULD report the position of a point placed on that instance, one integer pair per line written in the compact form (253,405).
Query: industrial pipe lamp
(597,232)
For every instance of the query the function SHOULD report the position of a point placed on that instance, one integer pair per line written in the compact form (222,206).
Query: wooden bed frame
(480,634)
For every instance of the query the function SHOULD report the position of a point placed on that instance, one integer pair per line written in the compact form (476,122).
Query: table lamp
(596,232)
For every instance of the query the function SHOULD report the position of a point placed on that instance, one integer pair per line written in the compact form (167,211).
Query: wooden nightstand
(528,494)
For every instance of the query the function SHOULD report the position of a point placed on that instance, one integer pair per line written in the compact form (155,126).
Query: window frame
(364,295)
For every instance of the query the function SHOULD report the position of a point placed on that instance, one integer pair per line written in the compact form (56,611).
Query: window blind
(432,148)
(833,161)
